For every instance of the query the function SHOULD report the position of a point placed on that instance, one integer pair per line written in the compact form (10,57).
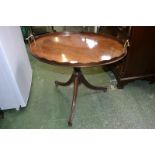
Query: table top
(77,49)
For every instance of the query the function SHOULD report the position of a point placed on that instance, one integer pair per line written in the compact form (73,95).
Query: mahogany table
(77,50)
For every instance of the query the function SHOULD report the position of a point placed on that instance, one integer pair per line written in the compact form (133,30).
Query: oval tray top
(77,49)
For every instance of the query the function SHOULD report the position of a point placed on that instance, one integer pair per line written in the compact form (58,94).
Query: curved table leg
(77,78)
(76,82)
(88,85)
(65,83)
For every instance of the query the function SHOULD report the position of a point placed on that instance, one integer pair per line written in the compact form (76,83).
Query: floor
(48,106)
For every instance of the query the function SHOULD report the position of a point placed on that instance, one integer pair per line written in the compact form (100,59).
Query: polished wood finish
(77,49)
(140,60)
(77,78)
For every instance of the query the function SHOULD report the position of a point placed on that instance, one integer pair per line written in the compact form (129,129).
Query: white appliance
(15,69)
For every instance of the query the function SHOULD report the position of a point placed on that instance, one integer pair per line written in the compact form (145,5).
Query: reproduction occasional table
(77,50)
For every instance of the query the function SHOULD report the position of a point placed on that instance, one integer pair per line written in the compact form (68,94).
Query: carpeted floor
(48,107)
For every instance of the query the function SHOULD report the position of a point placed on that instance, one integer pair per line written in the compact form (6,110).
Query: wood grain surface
(77,49)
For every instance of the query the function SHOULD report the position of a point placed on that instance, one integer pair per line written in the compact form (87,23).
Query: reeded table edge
(91,64)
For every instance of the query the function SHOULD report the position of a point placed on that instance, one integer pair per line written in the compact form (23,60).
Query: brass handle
(126,44)
(31,38)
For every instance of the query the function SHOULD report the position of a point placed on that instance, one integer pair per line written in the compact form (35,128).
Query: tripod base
(77,78)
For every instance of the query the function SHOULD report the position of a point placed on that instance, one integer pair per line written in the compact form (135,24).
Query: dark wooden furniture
(77,50)
(140,60)
(1,114)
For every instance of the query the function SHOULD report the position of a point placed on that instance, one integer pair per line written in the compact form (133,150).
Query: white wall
(15,68)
